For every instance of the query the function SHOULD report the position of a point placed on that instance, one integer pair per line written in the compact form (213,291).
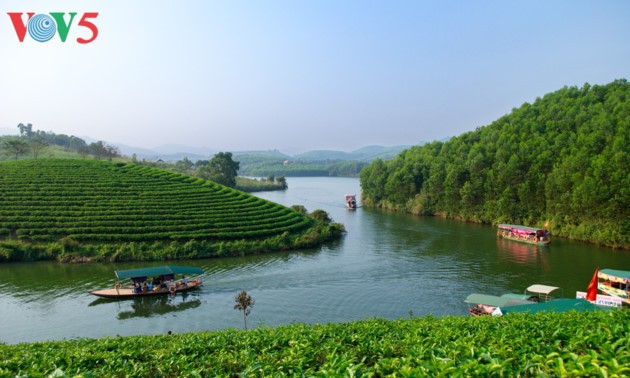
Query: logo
(43,27)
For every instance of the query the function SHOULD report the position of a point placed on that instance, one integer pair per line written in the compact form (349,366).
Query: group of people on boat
(511,235)
(157,283)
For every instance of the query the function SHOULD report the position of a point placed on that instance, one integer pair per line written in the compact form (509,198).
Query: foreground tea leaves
(546,345)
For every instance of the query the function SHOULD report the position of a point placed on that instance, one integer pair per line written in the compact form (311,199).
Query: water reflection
(148,307)
(521,253)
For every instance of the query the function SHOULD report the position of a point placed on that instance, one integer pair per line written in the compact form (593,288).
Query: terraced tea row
(86,200)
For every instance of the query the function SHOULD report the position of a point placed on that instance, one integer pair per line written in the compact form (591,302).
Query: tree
(98,149)
(37,145)
(26,131)
(184,165)
(112,151)
(221,169)
(244,303)
(282,181)
(321,216)
(16,146)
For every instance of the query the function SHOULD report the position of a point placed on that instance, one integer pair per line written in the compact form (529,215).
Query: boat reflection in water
(146,307)
(526,254)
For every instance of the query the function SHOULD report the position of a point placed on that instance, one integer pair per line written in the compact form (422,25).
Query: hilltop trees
(15,147)
(220,169)
(36,141)
(37,145)
(561,162)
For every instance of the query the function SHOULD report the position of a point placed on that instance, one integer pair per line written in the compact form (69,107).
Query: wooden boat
(531,235)
(351,201)
(163,282)
(615,283)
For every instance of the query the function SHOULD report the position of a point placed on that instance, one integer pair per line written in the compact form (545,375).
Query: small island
(83,210)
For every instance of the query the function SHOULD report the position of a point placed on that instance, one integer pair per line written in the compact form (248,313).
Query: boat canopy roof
(494,301)
(542,289)
(616,275)
(557,305)
(157,271)
(515,228)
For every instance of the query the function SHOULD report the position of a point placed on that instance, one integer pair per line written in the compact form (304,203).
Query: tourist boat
(163,281)
(351,201)
(482,304)
(531,235)
(615,283)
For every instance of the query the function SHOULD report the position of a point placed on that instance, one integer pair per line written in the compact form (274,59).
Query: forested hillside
(561,162)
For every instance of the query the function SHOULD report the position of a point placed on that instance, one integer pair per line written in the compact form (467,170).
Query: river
(388,265)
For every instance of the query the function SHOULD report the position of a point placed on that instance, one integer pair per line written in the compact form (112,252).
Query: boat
(556,305)
(351,201)
(163,281)
(483,304)
(530,235)
(615,283)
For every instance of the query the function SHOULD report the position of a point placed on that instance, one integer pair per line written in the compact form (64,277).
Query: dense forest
(561,162)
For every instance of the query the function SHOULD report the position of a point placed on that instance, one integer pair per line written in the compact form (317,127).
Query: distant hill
(95,209)
(172,153)
(368,153)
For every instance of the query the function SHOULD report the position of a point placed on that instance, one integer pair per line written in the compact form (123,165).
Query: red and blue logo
(43,27)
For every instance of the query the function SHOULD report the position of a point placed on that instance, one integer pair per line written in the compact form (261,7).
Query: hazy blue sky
(302,75)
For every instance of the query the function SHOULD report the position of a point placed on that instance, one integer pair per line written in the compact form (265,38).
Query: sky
(300,75)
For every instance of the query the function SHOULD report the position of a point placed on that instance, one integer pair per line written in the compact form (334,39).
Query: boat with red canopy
(351,201)
(530,235)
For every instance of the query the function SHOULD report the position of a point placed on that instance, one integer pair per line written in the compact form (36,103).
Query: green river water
(388,265)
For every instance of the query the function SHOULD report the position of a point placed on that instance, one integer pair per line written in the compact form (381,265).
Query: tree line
(560,163)
(35,142)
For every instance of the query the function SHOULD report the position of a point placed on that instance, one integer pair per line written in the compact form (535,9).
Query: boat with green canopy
(556,305)
(530,235)
(157,280)
(484,304)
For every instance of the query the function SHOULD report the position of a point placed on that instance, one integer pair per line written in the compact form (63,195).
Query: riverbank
(70,251)
(547,344)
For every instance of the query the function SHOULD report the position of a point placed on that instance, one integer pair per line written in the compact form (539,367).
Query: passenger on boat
(144,287)
(136,287)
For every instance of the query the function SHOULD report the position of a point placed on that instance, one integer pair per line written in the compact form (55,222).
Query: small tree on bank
(244,303)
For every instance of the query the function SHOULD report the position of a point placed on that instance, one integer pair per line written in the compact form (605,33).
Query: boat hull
(527,241)
(128,292)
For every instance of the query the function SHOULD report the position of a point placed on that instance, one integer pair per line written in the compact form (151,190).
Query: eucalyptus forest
(560,163)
